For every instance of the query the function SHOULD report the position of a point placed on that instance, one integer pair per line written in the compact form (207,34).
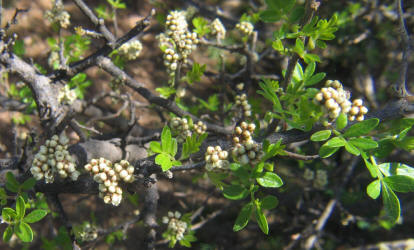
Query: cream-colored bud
(112,189)
(244,159)
(95,169)
(107,199)
(123,174)
(88,167)
(357,102)
(130,169)
(210,150)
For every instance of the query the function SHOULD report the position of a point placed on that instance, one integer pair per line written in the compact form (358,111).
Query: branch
(50,111)
(401,85)
(106,64)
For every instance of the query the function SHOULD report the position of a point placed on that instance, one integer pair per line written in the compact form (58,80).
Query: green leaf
(341,121)
(8,214)
(20,207)
(201,26)
(296,14)
(391,203)
(164,161)
(362,128)
(364,143)
(11,183)
(18,47)
(278,45)
(196,73)
(308,58)
(165,91)
(407,143)
(321,135)
(400,183)
(8,233)
(269,179)
(28,184)
(309,70)
(269,202)
(24,232)
(235,192)
(243,217)
(335,142)
(270,16)
(352,149)
(371,168)
(374,189)
(166,140)
(35,216)
(326,151)
(261,220)
(155,147)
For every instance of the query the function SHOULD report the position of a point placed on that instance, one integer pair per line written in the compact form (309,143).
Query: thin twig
(401,86)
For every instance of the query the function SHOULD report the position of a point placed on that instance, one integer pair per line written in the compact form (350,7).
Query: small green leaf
(352,149)
(341,121)
(35,216)
(235,192)
(24,232)
(374,189)
(321,135)
(296,14)
(278,45)
(28,184)
(20,207)
(8,214)
(155,147)
(269,202)
(364,143)
(166,140)
(261,220)
(164,161)
(309,70)
(326,151)
(243,217)
(362,128)
(308,58)
(269,179)
(335,142)
(400,183)
(315,79)
(407,143)
(11,183)
(270,16)
(8,233)
(391,203)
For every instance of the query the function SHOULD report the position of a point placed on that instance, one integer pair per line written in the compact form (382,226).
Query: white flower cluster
(87,232)
(178,41)
(108,177)
(246,150)
(245,27)
(53,158)
(319,181)
(176,226)
(357,111)
(216,158)
(241,100)
(199,128)
(131,49)
(66,95)
(336,100)
(182,129)
(58,15)
(218,29)
(308,174)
